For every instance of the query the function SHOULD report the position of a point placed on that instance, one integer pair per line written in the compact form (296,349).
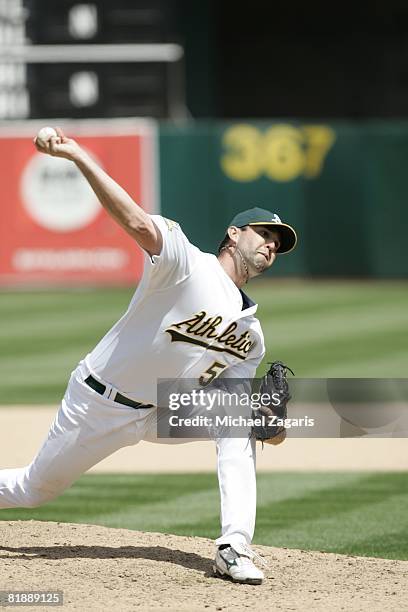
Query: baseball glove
(269,418)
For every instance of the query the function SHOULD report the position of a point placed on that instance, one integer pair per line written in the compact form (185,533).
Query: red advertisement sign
(53,229)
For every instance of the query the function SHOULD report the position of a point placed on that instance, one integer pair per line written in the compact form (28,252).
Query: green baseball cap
(260,216)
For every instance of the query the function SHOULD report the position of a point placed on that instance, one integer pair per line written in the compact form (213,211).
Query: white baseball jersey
(187,319)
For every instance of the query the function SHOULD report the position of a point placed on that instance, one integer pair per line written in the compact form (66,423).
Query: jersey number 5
(213,371)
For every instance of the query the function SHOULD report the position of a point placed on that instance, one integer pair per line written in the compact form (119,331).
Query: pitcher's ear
(233,233)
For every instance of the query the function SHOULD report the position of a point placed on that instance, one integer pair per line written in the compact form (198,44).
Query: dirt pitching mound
(99,568)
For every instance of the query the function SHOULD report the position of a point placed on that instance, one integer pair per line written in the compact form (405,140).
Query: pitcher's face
(258,245)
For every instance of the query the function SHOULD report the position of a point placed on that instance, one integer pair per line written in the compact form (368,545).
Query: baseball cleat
(237,565)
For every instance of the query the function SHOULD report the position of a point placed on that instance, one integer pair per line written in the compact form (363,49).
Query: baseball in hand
(44,135)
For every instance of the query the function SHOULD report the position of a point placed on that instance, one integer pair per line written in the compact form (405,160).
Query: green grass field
(321,329)
(352,513)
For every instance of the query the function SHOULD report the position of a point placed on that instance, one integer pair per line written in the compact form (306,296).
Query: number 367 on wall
(282,153)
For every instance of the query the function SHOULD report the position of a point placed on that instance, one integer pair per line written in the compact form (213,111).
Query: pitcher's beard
(253,264)
(243,262)
(261,264)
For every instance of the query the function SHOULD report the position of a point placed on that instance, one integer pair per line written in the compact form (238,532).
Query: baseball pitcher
(188,319)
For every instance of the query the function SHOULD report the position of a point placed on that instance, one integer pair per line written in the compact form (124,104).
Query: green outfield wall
(342,185)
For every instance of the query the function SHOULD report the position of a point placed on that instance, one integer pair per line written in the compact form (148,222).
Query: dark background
(259,60)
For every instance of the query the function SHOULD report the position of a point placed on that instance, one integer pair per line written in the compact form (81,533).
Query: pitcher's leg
(237,482)
(83,433)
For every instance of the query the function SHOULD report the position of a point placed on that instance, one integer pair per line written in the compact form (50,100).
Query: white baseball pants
(88,427)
